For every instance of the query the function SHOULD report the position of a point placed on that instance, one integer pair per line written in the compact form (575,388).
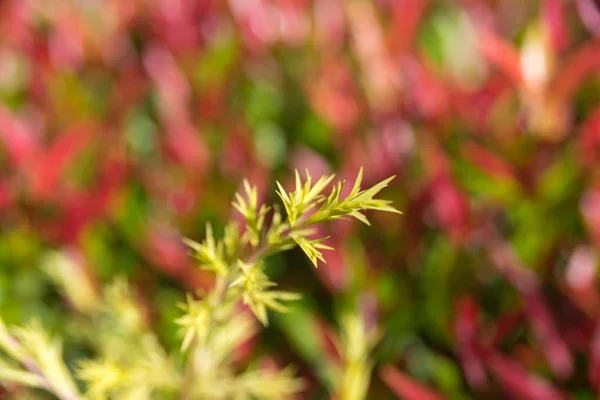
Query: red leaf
(475,107)
(328,341)
(15,18)
(594,368)
(590,208)
(172,86)
(333,96)
(329,25)
(65,42)
(179,24)
(584,61)
(488,161)
(426,93)
(47,169)
(167,250)
(407,15)
(538,313)
(82,208)
(589,12)
(517,382)
(236,151)
(501,53)
(580,279)
(451,208)
(405,387)
(19,138)
(589,138)
(256,24)
(553,13)
(186,146)
(504,325)
(6,196)
(465,331)
(554,348)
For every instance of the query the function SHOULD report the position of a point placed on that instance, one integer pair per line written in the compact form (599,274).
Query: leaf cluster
(129,361)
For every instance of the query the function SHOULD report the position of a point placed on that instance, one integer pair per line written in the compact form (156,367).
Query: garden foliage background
(126,125)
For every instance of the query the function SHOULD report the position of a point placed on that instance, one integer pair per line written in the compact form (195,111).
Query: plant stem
(219,295)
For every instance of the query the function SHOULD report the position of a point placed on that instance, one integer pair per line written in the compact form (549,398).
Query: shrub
(131,363)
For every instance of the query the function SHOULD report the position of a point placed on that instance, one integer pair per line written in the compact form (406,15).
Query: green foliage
(207,320)
(131,364)
(356,345)
(125,125)
(210,253)
(254,286)
(254,215)
(35,360)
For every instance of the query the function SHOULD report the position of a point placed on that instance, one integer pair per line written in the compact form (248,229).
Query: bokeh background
(126,125)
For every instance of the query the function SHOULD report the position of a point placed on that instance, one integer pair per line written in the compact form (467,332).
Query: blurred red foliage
(140,118)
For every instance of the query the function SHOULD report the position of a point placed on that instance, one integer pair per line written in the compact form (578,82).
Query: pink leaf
(553,13)
(19,139)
